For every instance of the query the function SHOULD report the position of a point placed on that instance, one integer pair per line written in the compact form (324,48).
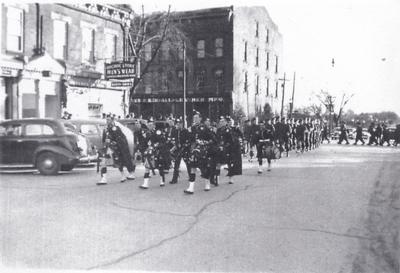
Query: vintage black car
(44,144)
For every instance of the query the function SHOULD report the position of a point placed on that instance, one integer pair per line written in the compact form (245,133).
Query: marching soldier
(180,138)
(155,155)
(397,135)
(264,138)
(343,133)
(359,134)
(300,136)
(372,137)
(201,138)
(116,149)
(378,134)
(385,135)
(325,133)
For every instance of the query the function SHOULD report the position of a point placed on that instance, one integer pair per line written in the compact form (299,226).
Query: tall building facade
(52,59)
(233,60)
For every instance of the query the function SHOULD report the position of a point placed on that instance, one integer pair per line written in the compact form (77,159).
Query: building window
(147,52)
(219,79)
(164,81)
(88,41)
(148,83)
(276,89)
(257,56)
(15,28)
(201,49)
(245,82)
(111,47)
(276,64)
(164,52)
(267,37)
(200,79)
(245,51)
(60,48)
(219,47)
(257,25)
(267,88)
(267,62)
(257,82)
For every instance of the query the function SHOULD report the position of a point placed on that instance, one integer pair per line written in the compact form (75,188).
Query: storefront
(90,98)
(9,73)
(39,88)
(158,105)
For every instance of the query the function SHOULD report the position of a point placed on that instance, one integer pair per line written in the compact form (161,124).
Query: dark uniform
(155,154)
(325,133)
(300,136)
(372,137)
(385,135)
(116,148)
(180,139)
(359,136)
(201,140)
(397,135)
(264,138)
(343,134)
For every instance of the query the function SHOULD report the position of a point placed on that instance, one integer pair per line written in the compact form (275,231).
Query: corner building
(52,59)
(234,60)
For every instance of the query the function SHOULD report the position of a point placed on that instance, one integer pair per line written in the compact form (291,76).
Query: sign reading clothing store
(120,70)
(151,100)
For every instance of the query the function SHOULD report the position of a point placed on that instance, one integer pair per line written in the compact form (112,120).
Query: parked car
(93,130)
(133,124)
(44,144)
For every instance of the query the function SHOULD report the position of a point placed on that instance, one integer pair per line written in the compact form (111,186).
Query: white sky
(363,36)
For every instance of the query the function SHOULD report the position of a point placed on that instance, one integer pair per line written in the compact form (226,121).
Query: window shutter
(66,41)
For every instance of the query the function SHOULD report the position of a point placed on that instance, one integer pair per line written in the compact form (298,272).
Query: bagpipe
(199,152)
(269,149)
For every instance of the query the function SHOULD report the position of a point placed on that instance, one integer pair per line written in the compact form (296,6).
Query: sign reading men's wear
(120,70)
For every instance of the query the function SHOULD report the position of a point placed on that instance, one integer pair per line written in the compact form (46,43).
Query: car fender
(63,154)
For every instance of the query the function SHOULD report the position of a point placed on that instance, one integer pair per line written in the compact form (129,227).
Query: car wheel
(47,163)
(67,167)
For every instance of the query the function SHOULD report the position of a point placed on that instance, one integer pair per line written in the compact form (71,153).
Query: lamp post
(184,85)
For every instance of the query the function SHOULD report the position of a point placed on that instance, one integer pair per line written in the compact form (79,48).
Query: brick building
(234,60)
(52,57)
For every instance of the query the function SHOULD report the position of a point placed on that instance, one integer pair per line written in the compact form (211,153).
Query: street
(334,209)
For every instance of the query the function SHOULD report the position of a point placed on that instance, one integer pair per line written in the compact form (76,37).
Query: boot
(145,184)
(207,187)
(230,180)
(131,176)
(103,180)
(162,181)
(174,178)
(259,170)
(190,189)
(123,178)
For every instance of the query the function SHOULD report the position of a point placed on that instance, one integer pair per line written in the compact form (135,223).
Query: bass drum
(129,137)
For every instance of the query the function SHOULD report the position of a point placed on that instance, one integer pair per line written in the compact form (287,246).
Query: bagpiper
(264,138)
(116,149)
(155,153)
(201,138)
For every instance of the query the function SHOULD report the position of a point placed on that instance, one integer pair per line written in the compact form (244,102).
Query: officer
(180,138)
(343,133)
(156,154)
(201,138)
(359,136)
(117,148)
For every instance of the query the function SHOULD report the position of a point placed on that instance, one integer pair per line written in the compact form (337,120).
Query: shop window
(11,130)
(15,29)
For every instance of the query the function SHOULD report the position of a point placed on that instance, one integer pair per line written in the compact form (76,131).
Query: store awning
(10,68)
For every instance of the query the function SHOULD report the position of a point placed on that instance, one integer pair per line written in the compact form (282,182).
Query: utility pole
(184,85)
(292,104)
(283,91)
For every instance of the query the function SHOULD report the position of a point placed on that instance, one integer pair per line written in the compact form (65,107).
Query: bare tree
(156,29)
